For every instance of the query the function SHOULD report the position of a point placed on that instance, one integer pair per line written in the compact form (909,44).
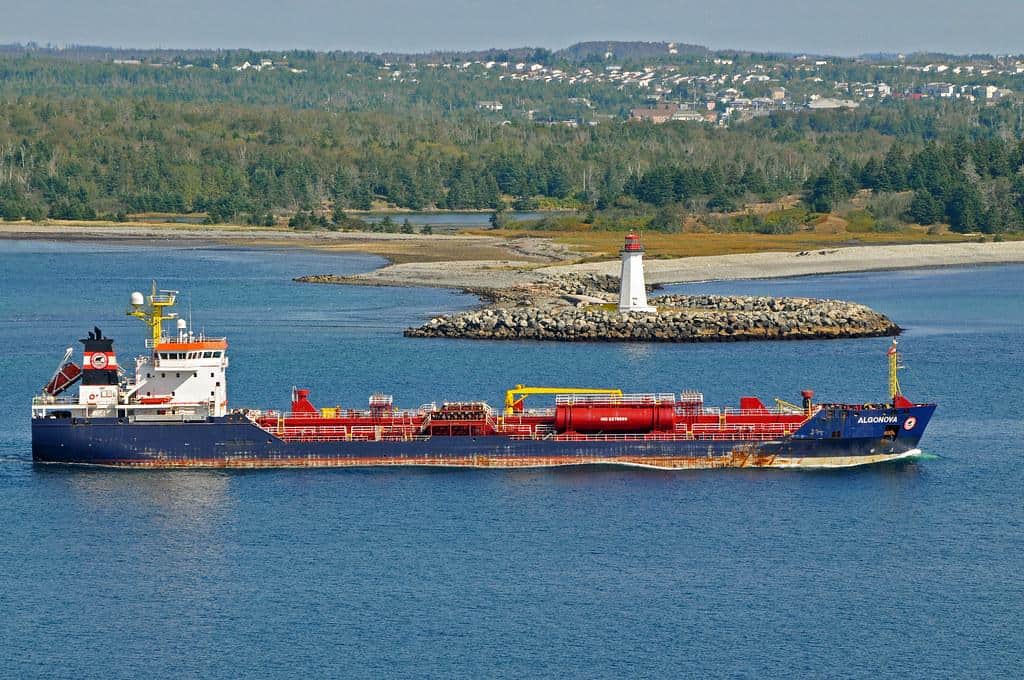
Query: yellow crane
(515,397)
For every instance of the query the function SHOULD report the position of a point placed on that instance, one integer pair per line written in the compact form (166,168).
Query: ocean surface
(912,570)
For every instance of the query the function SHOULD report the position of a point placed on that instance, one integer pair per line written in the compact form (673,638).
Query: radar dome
(137,298)
(182,325)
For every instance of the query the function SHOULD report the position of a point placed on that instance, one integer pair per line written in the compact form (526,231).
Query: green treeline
(85,157)
(972,186)
(208,145)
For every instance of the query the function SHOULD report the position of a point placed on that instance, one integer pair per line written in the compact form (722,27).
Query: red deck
(647,417)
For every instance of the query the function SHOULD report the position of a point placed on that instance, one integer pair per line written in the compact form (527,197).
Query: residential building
(659,113)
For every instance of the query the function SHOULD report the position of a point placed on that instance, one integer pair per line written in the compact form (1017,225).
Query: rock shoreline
(681,318)
(581,308)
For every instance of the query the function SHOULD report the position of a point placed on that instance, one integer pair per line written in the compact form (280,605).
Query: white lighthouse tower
(632,290)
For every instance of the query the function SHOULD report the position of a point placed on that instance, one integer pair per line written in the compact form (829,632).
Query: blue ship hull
(833,437)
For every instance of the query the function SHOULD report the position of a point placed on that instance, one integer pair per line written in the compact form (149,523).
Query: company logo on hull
(878,420)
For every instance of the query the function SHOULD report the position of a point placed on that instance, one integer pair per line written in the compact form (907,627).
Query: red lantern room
(633,243)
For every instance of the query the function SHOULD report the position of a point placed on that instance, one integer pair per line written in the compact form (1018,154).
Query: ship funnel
(808,396)
(99,382)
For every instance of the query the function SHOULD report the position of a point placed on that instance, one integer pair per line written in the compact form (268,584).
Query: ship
(170,410)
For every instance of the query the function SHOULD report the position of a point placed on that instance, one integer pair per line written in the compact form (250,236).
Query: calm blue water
(909,571)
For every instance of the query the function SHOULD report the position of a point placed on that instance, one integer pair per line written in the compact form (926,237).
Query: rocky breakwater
(680,318)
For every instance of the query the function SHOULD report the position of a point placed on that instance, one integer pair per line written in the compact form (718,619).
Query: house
(489,106)
(939,89)
(824,103)
(778,94)
(659,113)
(688,116)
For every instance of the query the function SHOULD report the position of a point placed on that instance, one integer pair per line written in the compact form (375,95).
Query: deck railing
(40,400)
(654,437)
(604,399)
(151,343)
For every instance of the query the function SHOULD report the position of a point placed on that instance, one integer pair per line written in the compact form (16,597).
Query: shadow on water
(204,487)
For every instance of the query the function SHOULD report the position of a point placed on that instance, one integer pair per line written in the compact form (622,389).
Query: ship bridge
(184,369)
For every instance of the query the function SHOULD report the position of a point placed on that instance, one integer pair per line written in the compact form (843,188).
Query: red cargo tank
(615,418)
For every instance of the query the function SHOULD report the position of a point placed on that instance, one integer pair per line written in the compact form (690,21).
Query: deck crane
(515,397)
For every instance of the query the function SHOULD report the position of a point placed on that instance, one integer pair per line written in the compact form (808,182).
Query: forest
(83,140)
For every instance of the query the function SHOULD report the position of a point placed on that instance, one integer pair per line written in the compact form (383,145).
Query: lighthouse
(632,290)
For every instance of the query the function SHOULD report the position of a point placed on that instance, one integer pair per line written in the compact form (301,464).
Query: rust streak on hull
(734,460)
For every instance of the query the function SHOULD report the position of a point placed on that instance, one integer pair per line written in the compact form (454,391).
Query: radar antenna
(155,312)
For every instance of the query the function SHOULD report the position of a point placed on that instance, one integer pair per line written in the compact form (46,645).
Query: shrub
(860,221)
(886,226)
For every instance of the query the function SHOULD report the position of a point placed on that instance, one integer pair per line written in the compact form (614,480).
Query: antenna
(155,312)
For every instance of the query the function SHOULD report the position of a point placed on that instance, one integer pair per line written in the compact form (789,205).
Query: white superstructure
(186,369)
(184,377)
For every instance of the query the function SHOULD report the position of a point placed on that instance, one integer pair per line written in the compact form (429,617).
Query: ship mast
(894,368)
(154,314)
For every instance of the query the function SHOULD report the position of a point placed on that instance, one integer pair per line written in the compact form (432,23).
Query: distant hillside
(513,54)
(625,50)
(580,52)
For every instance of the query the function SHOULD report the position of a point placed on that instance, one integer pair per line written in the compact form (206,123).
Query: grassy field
(830,231)
(397,248)
(605,244)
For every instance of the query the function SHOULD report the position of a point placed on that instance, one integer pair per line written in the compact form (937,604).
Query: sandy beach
(474,261)
(831,261)
(491,274)
(398,248)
